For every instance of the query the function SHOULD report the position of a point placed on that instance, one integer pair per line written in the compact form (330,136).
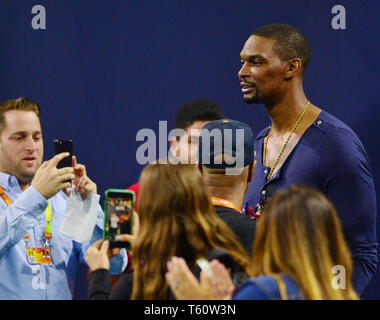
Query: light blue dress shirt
(18,278)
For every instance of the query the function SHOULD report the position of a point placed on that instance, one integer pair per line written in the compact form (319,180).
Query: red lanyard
(223,202)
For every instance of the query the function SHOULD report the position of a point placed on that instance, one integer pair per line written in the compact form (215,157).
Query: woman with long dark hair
(176,219)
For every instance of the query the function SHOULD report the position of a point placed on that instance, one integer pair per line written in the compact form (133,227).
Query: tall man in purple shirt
(305,144)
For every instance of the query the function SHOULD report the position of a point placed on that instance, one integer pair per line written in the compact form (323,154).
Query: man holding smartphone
(36,260)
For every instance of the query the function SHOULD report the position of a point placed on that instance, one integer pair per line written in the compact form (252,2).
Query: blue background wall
(102,70)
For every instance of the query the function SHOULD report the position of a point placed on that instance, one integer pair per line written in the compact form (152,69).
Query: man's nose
(243,72)
(30,144)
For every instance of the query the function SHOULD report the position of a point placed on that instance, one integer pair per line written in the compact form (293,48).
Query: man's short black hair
(197,110)
(290,43)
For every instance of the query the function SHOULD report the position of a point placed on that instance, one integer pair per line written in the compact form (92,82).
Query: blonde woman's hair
(299,235)
(176,219)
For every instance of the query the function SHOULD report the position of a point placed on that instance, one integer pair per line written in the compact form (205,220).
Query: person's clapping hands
(184,285)
(222,286)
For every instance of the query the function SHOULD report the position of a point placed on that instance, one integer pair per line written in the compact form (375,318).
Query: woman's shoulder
(265,287)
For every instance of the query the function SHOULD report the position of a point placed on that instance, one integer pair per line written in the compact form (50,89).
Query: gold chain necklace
(285,144)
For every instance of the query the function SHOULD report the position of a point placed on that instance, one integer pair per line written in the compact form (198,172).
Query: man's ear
(293,67)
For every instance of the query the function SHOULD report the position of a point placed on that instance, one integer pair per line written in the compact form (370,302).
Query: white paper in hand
(80,216)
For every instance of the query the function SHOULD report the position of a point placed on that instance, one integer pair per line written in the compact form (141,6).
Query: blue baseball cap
(226,136)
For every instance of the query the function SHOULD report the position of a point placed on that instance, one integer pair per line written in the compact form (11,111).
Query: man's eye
(256,63)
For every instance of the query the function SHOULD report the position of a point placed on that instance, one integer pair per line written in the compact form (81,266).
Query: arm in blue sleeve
(17,219)
(351,190)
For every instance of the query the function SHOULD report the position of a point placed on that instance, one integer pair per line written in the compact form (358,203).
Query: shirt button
(263,192)
(265,171)
(319,122)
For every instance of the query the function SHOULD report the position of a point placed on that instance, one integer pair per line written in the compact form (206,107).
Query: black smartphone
(64,146)
(118,216)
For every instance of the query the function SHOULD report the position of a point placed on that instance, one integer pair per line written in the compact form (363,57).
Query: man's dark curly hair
(197,110)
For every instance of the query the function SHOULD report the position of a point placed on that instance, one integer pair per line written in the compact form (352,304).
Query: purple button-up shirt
(331,158)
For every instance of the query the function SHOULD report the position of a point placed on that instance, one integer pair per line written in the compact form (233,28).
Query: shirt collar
(317,123)
(263,133)
(7,180)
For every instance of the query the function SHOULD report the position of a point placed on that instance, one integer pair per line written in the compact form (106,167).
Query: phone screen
(119,214)
(61,146)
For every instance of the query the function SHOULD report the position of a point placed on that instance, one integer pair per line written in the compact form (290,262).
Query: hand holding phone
(119,216)
(131,238)
(64,146)
(97,257)
(48,181)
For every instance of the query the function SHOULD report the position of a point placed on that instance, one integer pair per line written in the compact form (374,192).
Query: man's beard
(252,99)
(27,177)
